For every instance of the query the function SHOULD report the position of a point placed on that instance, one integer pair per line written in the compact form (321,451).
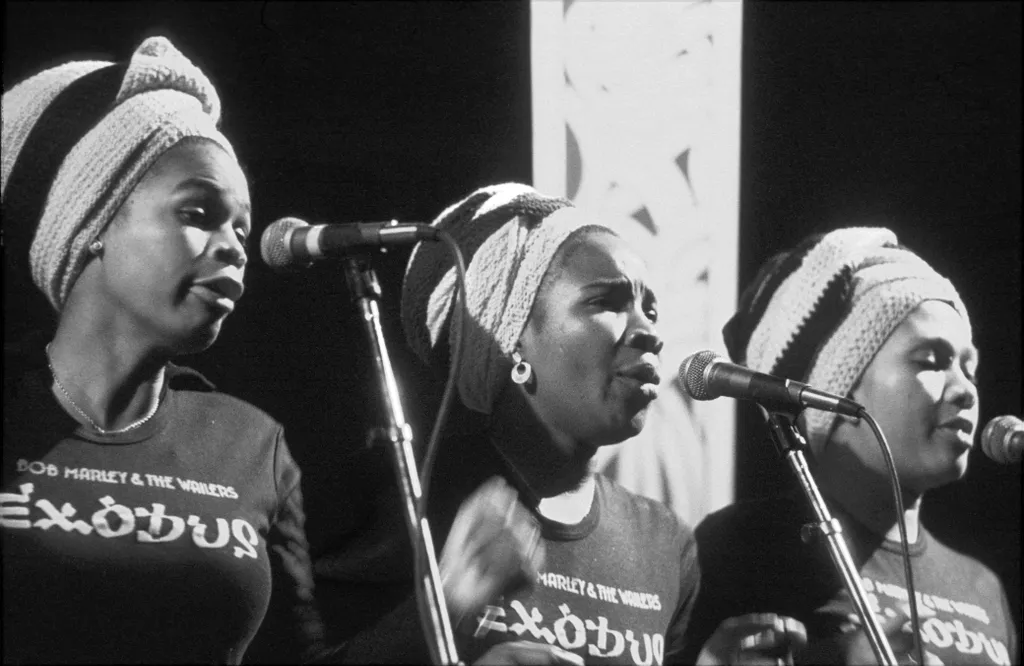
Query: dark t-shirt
(616,588)
(156,545)
(753,560)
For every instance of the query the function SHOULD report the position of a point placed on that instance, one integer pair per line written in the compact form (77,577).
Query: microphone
(291,241)
(1002,440)
(707,375)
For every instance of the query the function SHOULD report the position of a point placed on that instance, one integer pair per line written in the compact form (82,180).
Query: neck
(572,506)
(547,463)
(114,379)
(867,496)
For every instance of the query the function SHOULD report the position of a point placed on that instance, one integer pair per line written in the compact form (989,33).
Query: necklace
(81,412)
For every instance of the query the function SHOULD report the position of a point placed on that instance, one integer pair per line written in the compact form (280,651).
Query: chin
(948,474)
(629,428)
(198,339)
(957,467)
(637,423)
(961,466)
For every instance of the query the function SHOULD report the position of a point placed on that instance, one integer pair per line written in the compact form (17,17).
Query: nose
(644,336)
(229,249)
(960,390)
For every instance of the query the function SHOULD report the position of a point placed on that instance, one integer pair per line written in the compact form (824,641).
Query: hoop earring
(521,371)
(96,246)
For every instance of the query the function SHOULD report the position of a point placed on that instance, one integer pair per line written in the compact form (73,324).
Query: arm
(680,635)
(291,630)
(493,545)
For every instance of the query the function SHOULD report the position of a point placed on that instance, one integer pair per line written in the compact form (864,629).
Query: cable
(433,444)
(901,523)
(454,363)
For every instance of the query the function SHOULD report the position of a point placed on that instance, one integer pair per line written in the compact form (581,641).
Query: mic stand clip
(791,446)
(437,629)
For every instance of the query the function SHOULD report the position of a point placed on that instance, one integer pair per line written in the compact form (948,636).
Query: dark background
(904,114)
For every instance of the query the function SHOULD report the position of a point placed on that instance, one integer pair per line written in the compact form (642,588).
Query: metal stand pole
(791,446)
(365,290)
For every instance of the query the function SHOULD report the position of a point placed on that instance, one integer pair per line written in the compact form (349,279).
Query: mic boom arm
(436,624)
(791,445)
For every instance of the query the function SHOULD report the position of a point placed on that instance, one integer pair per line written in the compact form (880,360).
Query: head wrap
(508,234)
(820,312)
(78,138)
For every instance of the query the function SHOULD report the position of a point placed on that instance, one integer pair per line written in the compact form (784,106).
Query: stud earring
(521,371)
(96,246)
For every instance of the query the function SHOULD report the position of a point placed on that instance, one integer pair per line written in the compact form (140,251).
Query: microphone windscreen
(1000,440)
(274,242)
(691,374)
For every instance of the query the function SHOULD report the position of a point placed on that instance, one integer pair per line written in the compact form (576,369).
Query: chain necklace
(96,426)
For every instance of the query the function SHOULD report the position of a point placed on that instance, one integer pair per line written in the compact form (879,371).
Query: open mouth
(222,287)
(961,430)
(960,425)
(643,373)
(647,379)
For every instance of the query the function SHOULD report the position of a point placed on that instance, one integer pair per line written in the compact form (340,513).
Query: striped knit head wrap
(820,312)
(509,235)
(78,138)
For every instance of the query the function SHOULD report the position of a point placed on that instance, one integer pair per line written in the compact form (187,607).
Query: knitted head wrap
(508,234)
(78,138)
(820,312)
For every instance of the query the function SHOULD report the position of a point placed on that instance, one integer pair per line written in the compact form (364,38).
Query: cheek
(903,404)
(163,242)
(589,345)
(570,354)
(914,391)
(190,241)
(933,386)
(887,401)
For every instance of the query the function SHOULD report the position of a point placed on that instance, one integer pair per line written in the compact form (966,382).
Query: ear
(843,433)
(522,371)
(529,339)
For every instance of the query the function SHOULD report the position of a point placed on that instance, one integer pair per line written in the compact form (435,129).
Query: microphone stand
(366,292)
(791,445)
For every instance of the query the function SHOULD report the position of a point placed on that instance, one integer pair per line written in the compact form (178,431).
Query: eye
(192,214)
(932,361)
(972,377)
(243,235)
(611,299)
(937,359)
(650,304)
(971,372)
(926,362)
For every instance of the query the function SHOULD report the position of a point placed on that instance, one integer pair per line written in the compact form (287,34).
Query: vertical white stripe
(313,240)
(650,92)
(547,82)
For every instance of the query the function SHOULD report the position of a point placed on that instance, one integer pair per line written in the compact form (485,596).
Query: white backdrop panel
(636,107)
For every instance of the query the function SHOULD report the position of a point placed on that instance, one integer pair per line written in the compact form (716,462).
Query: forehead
(600,256)
(935,320)
(200,161)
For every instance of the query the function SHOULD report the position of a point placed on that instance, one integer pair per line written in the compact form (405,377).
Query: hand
(526,652)
(755,638)
(494,546)
(897,631)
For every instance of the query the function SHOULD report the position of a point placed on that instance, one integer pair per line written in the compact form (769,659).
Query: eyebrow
(608,282)
(210,186)
(923,343)
(618,282)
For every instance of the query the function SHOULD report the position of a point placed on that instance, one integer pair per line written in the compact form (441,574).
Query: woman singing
(146,517)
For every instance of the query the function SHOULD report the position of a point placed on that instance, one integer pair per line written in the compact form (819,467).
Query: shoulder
(198,395)
(944,556)
(741,516)
(752,532)
(643,513)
